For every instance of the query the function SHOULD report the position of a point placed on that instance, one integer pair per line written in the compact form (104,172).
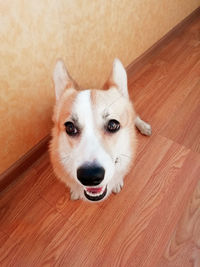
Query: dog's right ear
(62,79)
(118,78)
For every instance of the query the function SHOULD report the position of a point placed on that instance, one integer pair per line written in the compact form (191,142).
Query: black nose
(90,175)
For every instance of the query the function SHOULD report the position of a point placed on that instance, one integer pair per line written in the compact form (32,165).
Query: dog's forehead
(98,102)
(81,108)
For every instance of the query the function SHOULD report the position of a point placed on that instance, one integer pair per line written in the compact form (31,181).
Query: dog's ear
(62,79)
(118,78)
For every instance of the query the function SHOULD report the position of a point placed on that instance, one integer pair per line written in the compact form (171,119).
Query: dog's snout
(90,175)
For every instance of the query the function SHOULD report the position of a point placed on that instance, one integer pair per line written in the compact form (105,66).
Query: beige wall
(86,34)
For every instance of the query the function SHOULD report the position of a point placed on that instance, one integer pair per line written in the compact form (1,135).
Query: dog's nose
(90,175)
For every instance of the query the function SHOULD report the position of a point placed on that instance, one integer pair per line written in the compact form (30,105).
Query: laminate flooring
(155,220)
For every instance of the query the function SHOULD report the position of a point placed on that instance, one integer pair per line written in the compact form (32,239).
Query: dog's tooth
(93,194)
(96,194)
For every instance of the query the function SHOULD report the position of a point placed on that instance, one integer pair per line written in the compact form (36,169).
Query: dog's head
(93,136)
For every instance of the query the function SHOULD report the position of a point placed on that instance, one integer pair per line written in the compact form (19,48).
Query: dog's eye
(112,126)
(71,129)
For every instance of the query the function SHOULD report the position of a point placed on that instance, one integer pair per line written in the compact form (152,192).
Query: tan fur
(123,110)
(61,113)
(92,110)
(108,84)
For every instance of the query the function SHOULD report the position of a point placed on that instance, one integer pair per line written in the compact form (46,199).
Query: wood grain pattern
(154,221)
(26,160)
(23,163)
(183,128)
(183,248)
(87,35)
(143,59)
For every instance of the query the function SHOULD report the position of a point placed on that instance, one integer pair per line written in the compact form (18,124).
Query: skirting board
(140,61)
(23,163)
(32,155)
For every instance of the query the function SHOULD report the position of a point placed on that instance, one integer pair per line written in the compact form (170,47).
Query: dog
(93,139)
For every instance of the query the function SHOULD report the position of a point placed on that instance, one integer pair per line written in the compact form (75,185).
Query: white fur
(90,149)
(60,78)
(119,77)
(143,126)
(92,120)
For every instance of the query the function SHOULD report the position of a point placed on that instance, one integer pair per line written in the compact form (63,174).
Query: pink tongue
(94,190)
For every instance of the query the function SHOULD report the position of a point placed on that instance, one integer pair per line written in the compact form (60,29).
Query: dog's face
(93,136)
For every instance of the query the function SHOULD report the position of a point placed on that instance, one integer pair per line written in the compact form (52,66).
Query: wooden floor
(155,220)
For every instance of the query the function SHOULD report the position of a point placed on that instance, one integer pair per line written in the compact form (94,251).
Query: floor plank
(184,126)
(183,248)
(155,220)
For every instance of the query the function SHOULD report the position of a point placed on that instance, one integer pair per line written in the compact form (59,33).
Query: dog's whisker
(126,156)
(93,157)
(114,115)
(65,156)
(114,102)
(65,159)
(130,128)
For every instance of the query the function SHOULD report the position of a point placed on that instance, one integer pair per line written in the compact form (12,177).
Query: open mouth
(95,193)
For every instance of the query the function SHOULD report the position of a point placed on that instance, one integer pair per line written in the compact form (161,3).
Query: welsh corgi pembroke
(93,138)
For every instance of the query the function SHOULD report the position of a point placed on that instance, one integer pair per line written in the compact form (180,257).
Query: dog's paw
(118,187)
(74,195)
(146,129)
(143,126)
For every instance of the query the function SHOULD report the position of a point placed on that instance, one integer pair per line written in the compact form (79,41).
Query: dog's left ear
(62,79)
(118,77)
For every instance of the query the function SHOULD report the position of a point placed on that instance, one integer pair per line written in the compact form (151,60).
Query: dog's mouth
(95,193)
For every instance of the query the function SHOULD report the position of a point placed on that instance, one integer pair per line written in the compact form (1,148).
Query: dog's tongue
(94,190)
